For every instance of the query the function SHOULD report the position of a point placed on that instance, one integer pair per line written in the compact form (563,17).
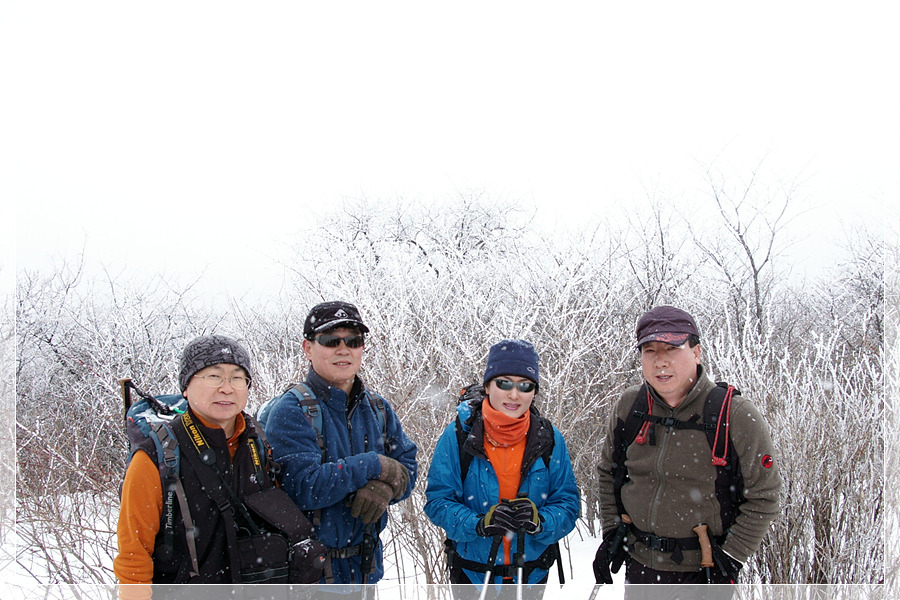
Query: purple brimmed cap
(331,315)
(665,324)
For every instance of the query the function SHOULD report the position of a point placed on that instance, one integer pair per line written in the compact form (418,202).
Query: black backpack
(639,428)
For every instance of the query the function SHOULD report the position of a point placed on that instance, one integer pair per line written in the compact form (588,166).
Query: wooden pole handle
(706,557)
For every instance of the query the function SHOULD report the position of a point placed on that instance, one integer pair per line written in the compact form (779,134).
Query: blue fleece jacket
(353,439)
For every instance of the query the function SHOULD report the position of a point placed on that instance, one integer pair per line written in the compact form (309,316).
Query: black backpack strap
(540,437)
(673,546)
(544,561)
(624,434)
(465,459)
(473,394)
(173,489)
(377,403)
(312,410)
(729,479)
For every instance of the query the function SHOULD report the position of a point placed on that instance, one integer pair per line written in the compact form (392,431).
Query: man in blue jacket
(344,456)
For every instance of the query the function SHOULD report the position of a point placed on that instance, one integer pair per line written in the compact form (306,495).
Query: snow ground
(577,550)
(578,554)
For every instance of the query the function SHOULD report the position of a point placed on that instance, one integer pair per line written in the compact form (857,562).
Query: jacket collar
(326,392)
(216,435)
(538,439)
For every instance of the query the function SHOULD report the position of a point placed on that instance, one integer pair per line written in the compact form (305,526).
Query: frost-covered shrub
(438,285)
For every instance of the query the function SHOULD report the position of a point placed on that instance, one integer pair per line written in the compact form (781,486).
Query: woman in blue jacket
(501,480)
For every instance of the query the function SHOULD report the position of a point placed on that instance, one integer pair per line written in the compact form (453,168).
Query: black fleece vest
(212,545)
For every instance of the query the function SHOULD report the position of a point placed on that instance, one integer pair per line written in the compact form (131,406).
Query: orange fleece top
(140,514)
(504,445)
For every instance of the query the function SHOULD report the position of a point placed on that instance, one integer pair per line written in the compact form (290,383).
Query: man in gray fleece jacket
(669,493)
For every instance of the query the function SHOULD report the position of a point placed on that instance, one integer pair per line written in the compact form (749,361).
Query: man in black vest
(666,500)
(214,375)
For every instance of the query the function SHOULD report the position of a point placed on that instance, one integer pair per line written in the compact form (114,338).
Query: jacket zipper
(660,463)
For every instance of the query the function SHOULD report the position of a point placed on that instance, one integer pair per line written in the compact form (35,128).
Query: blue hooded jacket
(352,444)
(457,506)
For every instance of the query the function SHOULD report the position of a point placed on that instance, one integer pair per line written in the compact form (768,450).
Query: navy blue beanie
(512,357)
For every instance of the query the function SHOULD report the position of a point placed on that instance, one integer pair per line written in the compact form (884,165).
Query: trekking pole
(520,562)
(492,560)
(126,385)
(619,538)
(368,552)
(706,557)
(125,389)
(614,547)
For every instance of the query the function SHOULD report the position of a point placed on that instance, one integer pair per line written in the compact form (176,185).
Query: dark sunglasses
(329,340)
(524,386)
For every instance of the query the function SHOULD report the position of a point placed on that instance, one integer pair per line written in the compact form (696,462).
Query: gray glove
(370,501)
(394,474)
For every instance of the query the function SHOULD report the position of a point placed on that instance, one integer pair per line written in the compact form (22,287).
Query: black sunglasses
(524,386)
(329,340)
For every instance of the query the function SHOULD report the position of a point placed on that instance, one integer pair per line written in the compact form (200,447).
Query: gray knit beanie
(208,350)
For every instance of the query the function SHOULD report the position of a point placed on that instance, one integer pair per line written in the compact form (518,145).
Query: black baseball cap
(666,324)
(331,315)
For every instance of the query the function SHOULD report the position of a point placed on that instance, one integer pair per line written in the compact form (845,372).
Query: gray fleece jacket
(671,486)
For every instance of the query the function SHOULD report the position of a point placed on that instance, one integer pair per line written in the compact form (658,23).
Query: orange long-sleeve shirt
(507,464)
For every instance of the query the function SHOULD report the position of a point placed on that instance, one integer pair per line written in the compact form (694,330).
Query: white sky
(190,137)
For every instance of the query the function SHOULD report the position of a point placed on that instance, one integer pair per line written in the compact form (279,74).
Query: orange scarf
(504,445)
(502,430)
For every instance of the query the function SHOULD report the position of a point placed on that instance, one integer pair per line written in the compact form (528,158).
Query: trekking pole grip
(706,557)
(125,391)
(495,546)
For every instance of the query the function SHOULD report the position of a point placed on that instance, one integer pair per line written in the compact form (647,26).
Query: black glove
(526,515)
(499,520)
(610,555)
(725,564)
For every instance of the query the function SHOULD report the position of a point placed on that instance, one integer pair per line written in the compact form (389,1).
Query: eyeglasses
(524,386)
(237,382)
(329,340)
